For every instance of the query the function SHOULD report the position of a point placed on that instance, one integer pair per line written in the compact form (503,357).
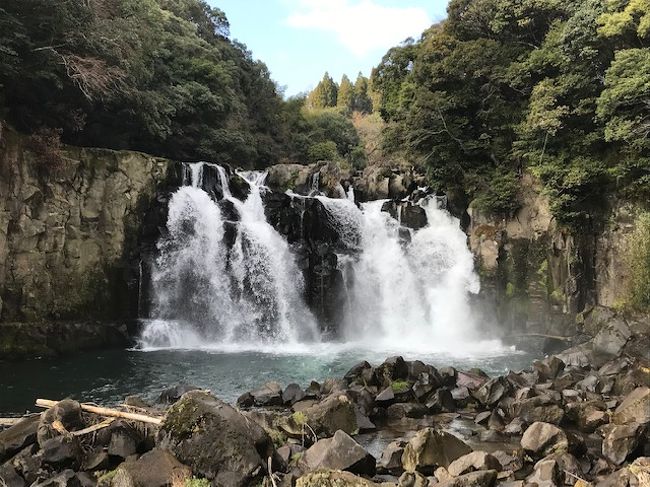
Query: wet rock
(363,422)
(246,400)
(482,418)
(542,439)
(425,383)
(9,477)
(385,397)
(67,478)
(413,216)
(431,448)
(470,380)
(329,478)
(406,410)
(495,421)
(611,339)
(545,474)
(330,415)
(480,478)
(199,425)
(28,463)
(515,427)
(361,373)
(313,390)
(393,368)
(157,468)
(635,408)
(17,437)
(96,460)
(173,394)
(549,368)
(492,436)
(412,479)
(61,451)
(441,401)
(292,394)
(125,440)
(621,441)
(539,408)
(492,391)
(270,394)
(448,376)
(340,452)
(391,457)
(331,385)
(587,415)
(476,460)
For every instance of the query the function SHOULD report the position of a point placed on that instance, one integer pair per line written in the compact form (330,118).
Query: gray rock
(546,473)
(9,477)
(62,451)
(340,452)
(406,410)
(332,414)
(173,394)
(611,339)
(441,401)
(480,478)
(292,394)
(67,478)
(431,448)
(490,393)
(412,479)
(621,441)
(242,445)
(476,460)
(157,468)
(549,368)
(270,394)
(17,437)
(391,457)
(635,408)
(539,408)
(542,439)
(385,397)
(125,440)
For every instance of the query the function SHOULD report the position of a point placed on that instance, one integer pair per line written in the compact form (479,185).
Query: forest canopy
(559,87)
(160,76)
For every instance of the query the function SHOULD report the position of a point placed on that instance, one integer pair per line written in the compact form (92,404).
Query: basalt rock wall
(70,222)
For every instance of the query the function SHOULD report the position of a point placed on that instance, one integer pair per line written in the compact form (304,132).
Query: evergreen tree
(362,102)
(325,94)
(346,93)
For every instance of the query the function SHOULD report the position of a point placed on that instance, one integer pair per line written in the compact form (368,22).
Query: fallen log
(113,413)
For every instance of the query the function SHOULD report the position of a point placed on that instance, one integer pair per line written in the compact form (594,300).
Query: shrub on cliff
(639,263)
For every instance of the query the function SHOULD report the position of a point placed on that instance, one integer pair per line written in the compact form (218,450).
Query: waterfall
(415,293)
(207,291)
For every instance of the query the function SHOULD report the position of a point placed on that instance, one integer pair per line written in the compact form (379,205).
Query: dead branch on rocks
(114,413)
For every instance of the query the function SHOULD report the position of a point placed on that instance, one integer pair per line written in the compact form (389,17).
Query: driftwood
(7,422)
(113,413)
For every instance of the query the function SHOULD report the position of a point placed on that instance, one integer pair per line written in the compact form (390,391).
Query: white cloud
(361,26)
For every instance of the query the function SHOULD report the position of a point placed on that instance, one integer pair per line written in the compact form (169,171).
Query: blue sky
(301,39)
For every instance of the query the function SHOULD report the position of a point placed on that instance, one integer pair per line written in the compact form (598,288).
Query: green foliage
(345,99)
(161,76)
(559,87)
(639,263)
(197,482)
(325,94)
(400,386)
(322,151)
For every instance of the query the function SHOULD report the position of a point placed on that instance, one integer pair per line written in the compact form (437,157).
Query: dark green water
(107,377)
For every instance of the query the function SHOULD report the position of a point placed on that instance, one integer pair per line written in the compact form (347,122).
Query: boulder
(412,479)
(330,478)
(549,368)
(424,384)
(9,477)
(391,457)
(492,391)
(587,415)
(292,394)
(431,448)
(215,440)
(542,439)
(330,415)
(393,368)
(360,373)
(470,380)
(67,413)
(173,394)
(546,473)
(635,408)
(17,437)
(406,410)
(385,397)
(621,441)
(441,401)
(61,451)
(270,394)
(125,440)
(612,338)
(539,408)
(476,460)
(480,478)
(157,468)
(340,452)
(66,478)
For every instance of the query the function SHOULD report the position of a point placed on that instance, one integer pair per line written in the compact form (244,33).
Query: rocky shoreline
(578,418)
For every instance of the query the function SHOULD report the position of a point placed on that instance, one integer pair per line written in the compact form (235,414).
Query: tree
(361,101)
(325,94)
(345,100)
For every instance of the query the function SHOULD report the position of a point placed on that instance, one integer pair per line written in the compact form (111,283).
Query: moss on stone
(400,386)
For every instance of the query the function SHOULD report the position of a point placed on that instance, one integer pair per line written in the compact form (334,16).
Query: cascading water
(207,291)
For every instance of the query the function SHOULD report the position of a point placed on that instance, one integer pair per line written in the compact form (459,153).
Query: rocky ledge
(578,418)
